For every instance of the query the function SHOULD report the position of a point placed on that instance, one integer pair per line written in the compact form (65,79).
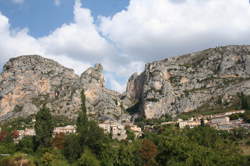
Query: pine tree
(44,127)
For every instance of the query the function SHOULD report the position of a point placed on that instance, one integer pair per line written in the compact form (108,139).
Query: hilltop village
(118,130)
(186,110)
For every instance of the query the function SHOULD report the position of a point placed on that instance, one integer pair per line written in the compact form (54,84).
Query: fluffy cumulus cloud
(150,30)
(146,31)
(77,45)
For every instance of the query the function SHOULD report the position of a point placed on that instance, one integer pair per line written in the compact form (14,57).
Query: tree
(148,152)
(44,127)
(18,159)
(88,159)
(26,145)
(52,158)
(89,133)
(72,148)
(82,119)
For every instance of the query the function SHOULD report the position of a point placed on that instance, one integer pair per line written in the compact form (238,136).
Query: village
(118,130)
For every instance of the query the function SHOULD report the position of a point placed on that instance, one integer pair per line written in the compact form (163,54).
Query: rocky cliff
(171,86)
(190,82)
(29,82)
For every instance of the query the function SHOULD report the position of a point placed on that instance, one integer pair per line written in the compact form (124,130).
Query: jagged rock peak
(93,75)
(29,82)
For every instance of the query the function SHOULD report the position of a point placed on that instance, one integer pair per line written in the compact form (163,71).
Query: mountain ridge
(169,86)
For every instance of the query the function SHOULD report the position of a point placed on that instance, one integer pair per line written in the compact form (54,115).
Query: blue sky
(122,35)
(44,16)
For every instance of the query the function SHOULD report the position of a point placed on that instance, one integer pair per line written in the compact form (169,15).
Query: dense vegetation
(164,146)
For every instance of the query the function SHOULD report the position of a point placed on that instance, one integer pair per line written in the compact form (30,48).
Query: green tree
(53,158)
(88,159)
(82,119)
(72,148)
(44,127)
(26,145)
(90,135)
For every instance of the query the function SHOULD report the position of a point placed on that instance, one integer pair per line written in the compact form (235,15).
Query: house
(65,130)
(189,123)
(220,120)
(24,133)
(117,130)
(137,130)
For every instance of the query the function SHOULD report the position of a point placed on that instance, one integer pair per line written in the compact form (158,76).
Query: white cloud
(79,40)
(77,45)
(17,1)
(150,30)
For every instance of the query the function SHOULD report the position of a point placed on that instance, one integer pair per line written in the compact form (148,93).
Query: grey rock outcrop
(188,82)
(29,82)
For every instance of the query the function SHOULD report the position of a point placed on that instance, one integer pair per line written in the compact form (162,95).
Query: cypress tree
(82,119)
(44,127)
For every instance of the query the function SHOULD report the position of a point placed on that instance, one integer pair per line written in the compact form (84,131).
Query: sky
(122,35)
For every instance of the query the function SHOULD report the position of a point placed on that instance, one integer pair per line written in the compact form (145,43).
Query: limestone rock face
(185,83)
(29,82)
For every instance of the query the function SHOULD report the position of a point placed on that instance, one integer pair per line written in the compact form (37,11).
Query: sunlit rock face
(170,86)
(29,82)
(188,82)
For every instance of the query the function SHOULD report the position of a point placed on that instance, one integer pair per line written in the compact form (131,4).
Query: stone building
(117,130)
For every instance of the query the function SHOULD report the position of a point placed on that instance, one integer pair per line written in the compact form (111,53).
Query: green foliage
(126,155)
(88,159)
(90,134)
(72,148)
(82,119)
(44,128)
(18,159)
(194,147)
(53,158)
(235,116)
(7,148)
(26,145)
